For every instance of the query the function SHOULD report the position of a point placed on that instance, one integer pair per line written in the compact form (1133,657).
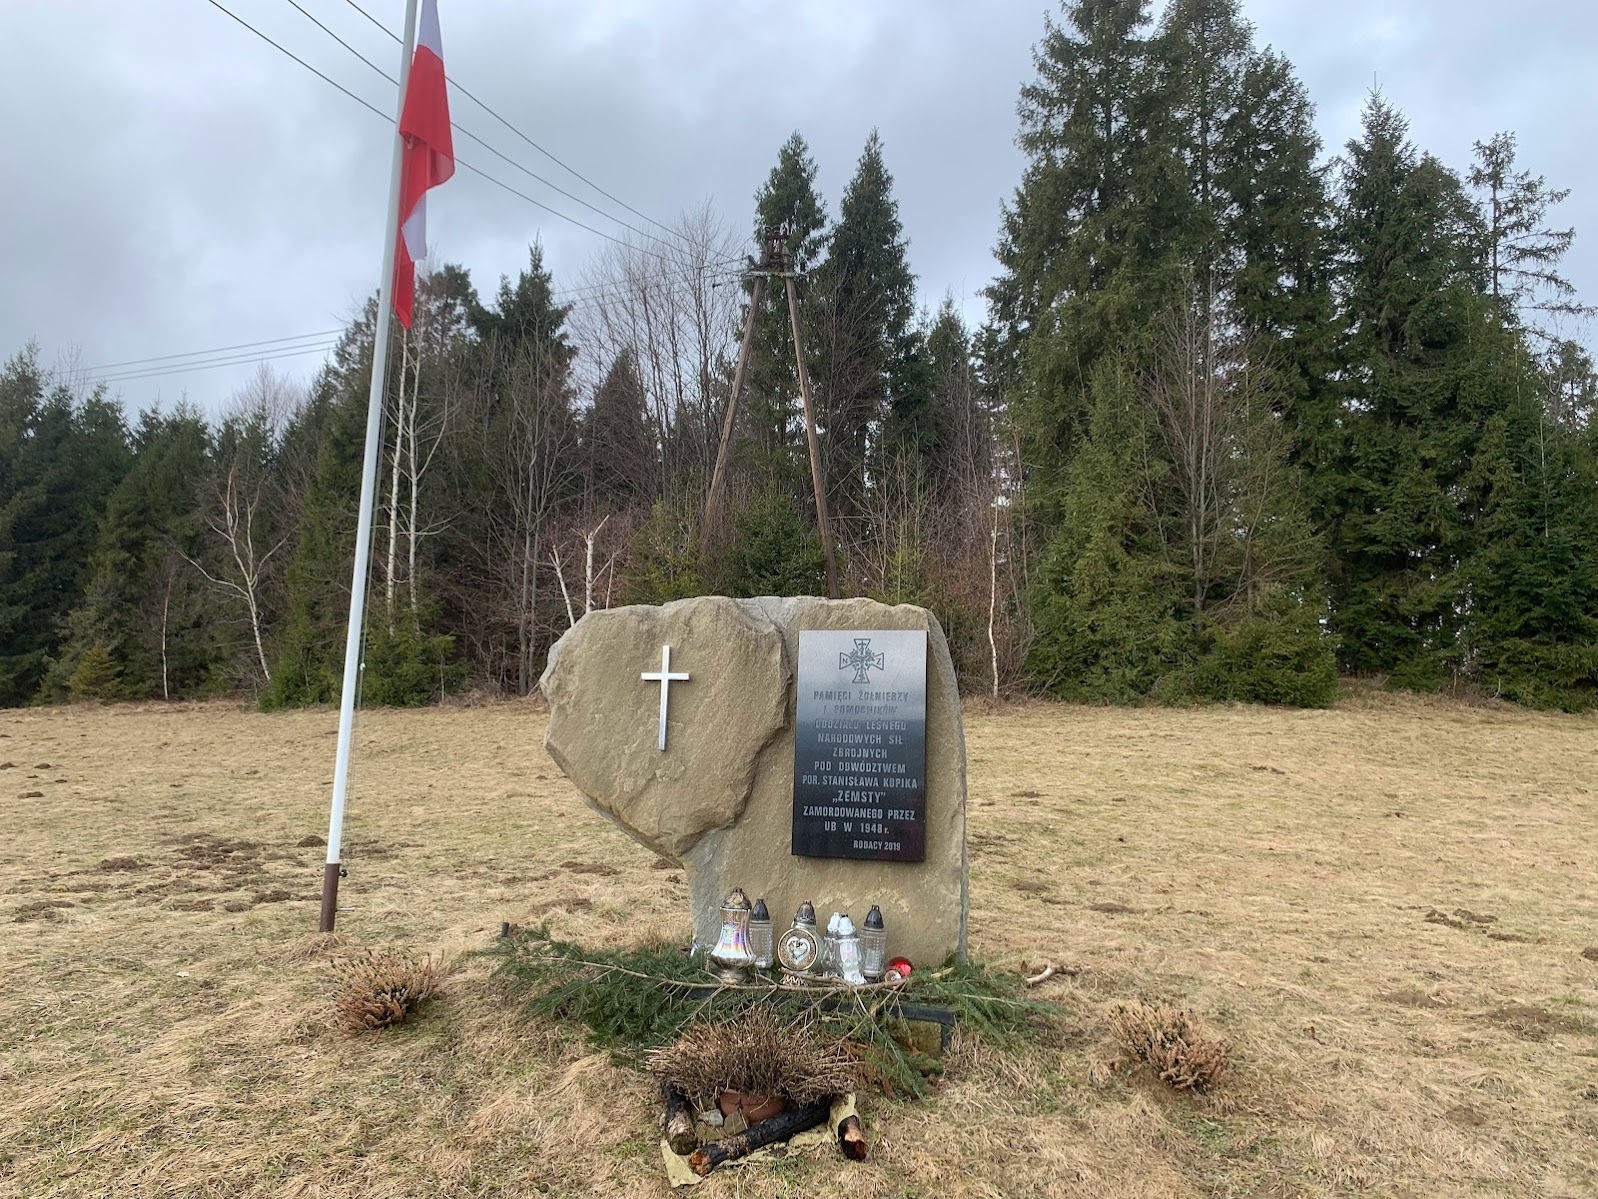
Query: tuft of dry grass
(1171,1041)
(383,988)
(758,1053)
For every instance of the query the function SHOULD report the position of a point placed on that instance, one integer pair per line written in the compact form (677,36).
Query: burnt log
(757,1136)
(677,1121)
(852,1139)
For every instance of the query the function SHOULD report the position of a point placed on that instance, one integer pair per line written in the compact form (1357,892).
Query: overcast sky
(173,184)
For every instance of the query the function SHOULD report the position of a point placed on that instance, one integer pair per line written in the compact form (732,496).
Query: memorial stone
(795,714)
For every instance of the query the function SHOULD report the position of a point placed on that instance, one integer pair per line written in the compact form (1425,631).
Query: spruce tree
(525,320)
(623,461)
(1532,576)
(1410,306)
(517,461)
(1255,237)
(1522,254)
(864,300)
(1570,385)
(59,461)
(310,657)
(1083,256)
(1105,602)
(142,603)
(952,435)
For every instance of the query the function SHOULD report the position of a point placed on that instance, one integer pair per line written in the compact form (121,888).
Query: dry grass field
(1384,908)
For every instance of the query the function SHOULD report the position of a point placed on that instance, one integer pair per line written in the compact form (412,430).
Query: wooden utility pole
(775,263)
(713,500)
(810,435)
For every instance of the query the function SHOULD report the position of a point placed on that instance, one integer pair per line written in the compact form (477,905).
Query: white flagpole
(363,533)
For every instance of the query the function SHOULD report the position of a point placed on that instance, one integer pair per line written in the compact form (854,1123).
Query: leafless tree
(1225,503)
(526,438)
(1192,397)
(675,304)
(240,499)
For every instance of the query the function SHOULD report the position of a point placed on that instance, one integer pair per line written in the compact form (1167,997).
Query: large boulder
(719,799)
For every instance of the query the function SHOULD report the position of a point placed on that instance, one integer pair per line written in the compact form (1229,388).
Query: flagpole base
(329,896)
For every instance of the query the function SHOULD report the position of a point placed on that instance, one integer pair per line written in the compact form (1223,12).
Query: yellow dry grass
(1381,908)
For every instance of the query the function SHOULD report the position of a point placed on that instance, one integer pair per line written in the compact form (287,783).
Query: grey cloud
(173,184)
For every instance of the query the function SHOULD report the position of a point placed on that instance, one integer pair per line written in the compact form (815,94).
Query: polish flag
(429,157)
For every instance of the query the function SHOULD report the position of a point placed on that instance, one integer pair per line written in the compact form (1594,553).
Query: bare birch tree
(242,512)
(675,304)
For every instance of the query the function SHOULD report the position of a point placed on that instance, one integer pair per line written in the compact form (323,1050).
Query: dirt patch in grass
(986,842)
(1413,997)
(208,852)
(1111,908)
(571,904)
(1032,886)
(40,909)
(1535,1023)
(189,905)
(596,868)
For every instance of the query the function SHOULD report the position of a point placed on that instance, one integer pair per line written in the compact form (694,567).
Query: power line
(491,112)
(460,162)
(575,297)
(618,288)
(187,368)
(459,128)
(244,345)
(295,57)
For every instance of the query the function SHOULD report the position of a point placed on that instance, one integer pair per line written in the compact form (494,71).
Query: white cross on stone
(665,678)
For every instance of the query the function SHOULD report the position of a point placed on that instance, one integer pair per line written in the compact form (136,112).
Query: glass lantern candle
(732,955)
(799,950)
(847,952)
(760,939)
(873,945)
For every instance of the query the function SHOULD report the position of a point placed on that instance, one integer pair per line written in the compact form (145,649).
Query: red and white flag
(429,157)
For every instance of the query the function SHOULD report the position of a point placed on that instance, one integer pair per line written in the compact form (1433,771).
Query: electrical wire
(460,162)
(243,345)
(187,368)
(547,154)
(576,298)
(459,128)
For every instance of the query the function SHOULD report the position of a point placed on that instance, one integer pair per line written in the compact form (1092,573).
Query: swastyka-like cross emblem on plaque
(862,660)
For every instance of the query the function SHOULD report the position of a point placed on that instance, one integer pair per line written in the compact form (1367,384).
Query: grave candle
(873,945)
(760,935)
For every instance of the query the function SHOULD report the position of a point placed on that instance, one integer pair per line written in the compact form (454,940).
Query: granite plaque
(860,745)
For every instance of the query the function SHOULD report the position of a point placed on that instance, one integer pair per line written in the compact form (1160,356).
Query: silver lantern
(732,955)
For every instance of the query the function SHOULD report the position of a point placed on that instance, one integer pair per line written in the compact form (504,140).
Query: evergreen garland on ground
(638,999)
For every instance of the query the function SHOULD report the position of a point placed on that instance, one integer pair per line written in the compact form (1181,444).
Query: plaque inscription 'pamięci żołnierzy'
(860,745)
